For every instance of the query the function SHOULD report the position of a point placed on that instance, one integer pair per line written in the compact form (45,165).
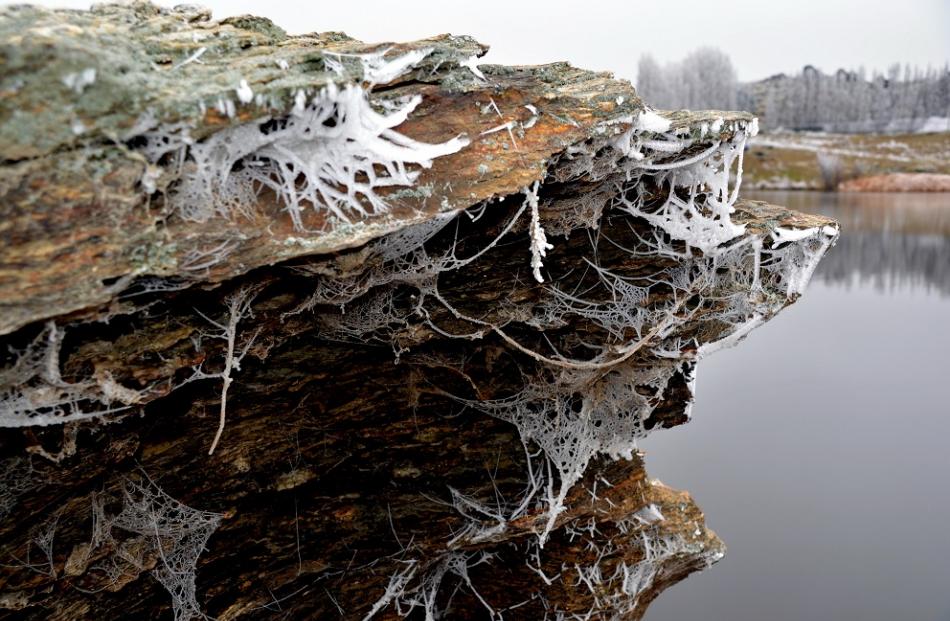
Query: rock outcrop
(308,327)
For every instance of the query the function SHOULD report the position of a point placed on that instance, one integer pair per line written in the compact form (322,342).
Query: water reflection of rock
(889,261)
(890,241)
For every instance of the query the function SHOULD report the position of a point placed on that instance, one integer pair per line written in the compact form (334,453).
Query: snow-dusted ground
(790,160)
(925,125)
(839,144)
(935,124)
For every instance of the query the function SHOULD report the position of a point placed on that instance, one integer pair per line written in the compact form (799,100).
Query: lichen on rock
(437,304)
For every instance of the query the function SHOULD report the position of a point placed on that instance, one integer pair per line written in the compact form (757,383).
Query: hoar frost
(334,151)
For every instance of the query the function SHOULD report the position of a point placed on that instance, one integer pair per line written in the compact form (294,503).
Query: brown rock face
(308,327)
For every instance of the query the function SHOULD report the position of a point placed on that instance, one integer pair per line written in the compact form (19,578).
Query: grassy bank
(811,160)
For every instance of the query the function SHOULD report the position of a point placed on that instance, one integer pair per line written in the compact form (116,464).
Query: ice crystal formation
(389,323)
(174,533)
(35,393)
(332,151)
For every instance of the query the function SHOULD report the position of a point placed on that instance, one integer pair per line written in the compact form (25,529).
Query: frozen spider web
(178,535)
(334,151)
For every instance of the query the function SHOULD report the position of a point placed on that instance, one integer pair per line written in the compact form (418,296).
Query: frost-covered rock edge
(693,224)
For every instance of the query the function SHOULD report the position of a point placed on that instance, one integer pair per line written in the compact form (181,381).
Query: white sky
(762,36)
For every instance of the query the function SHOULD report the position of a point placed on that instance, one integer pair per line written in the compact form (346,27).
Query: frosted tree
(651,82)
(904,98)
(705,79)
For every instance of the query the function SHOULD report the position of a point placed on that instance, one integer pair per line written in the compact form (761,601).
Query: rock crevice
(301,325)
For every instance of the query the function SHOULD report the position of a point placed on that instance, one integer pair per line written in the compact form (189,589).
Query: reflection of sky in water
(820,447)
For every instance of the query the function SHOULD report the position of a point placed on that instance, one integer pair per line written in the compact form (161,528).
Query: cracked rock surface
(305,327)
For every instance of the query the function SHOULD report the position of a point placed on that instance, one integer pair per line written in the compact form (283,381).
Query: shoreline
(848,162)
(891,183)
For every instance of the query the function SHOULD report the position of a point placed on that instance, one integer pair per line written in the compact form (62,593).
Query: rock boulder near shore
(303,327)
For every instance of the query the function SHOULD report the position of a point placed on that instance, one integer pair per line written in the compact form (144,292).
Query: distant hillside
(849,102)
(904,100)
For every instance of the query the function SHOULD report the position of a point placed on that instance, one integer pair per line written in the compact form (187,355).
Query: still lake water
(820,447)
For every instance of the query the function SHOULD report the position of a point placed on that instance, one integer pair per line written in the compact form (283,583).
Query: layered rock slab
(430,391)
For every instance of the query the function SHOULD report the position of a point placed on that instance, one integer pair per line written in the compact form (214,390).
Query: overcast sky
(762,37)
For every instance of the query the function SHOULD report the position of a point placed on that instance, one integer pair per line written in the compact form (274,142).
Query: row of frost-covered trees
(904,99)
(705,79)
